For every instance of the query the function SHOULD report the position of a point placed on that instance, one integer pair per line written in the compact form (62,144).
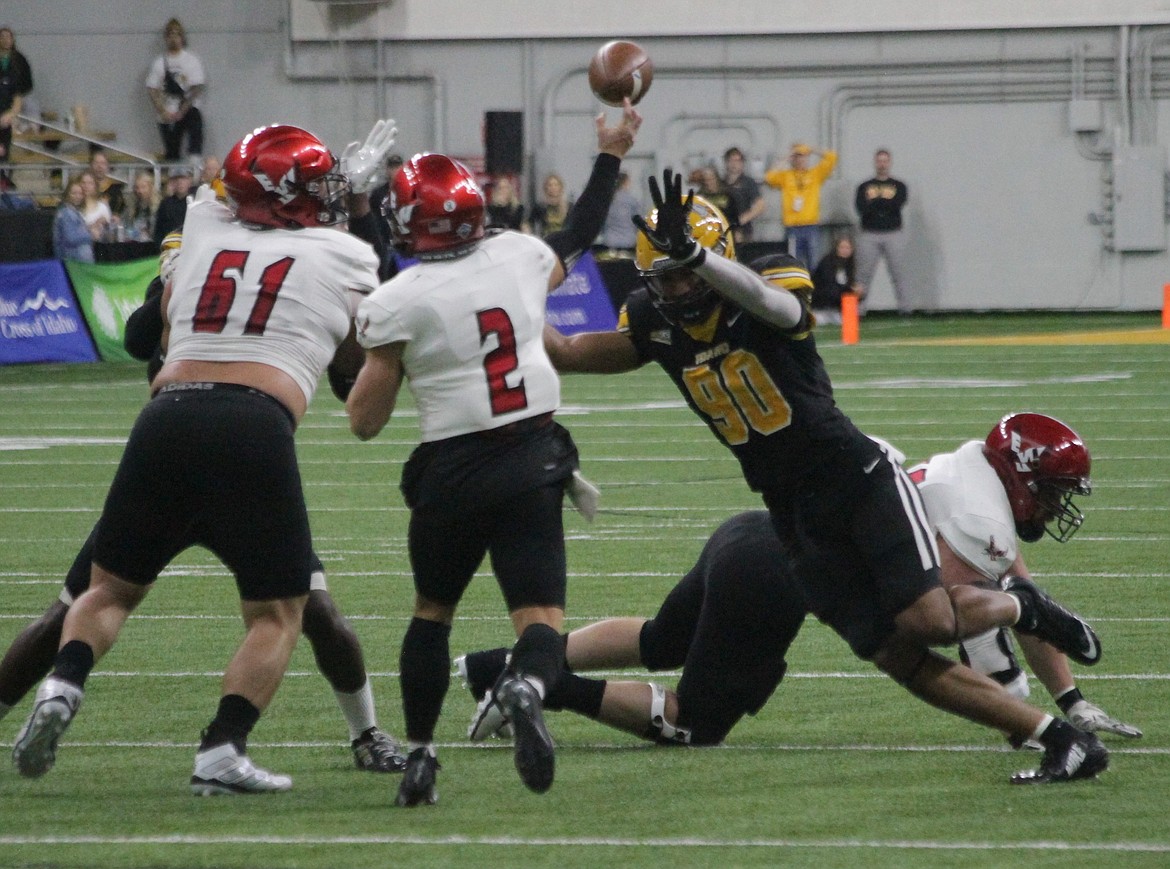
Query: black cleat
(376,751)
(1083,757)
(418,781)
(1043,617)
(535,751)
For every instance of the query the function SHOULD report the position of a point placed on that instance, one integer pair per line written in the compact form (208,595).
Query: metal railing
(61,161)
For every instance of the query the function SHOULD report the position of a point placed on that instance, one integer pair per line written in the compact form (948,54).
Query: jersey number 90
(738,396)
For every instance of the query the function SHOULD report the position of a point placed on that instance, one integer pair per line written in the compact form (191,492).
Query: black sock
(1069,698)
(539,652)
(233,721)
(1058,734)
(73,662)
(424,667)
(577,694)
(483,668)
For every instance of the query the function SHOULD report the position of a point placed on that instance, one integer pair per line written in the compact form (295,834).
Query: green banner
(109,293)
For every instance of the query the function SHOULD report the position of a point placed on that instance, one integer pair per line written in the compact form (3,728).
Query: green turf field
(842,768)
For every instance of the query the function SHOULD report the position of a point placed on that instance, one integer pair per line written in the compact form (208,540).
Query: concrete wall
(1007,198)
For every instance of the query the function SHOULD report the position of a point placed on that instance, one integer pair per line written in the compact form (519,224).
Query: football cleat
(535,751)
(35,749)
(376,751)
(489,720)
(418,782)
(1092,718)
(224,769)
(1084,757)
(1043,617)
(481,673)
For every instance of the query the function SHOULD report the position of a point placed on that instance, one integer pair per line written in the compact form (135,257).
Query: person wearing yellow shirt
(800,198)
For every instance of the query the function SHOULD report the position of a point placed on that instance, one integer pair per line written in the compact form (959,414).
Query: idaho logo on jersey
(284,188)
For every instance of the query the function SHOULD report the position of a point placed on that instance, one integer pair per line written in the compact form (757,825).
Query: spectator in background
(138,217)
(210,174)
(879,203)
(94,209)
(834,275)
(504,210)
(800,198)
(745,191)
(176,83)
(111,189)
(377,197)
(548,215)
(712,189)
(71,237)
(172,211)
(15,81)
(618,233)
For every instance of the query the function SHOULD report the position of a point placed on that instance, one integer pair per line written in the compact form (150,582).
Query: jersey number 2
(501,362)
(219,291)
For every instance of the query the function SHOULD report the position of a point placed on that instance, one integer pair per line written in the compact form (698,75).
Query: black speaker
(503,134)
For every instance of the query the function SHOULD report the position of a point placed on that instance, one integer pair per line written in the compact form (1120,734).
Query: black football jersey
(762,390)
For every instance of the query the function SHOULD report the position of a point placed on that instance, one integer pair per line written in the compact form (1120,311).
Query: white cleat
(489,720)
(35,750)
(222,769)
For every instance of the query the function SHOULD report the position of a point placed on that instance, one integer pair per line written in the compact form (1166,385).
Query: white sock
(412,746)
(4,709)
(358,709)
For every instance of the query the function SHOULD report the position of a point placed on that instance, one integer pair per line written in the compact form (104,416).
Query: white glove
(1094,719)
(584,495)
(365,164)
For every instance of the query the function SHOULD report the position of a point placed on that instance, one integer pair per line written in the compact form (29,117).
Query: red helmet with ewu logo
(1042,463)
(434,207)
(284,176)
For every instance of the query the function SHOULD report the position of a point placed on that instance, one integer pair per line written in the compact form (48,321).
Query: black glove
(672,235)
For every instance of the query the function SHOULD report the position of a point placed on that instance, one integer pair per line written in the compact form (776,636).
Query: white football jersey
(276,296)
(967,505)
(474,354)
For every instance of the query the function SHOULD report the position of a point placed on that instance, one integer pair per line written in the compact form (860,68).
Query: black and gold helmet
(711,230)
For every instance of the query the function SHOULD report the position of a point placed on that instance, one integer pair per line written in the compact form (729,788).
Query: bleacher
(46,150)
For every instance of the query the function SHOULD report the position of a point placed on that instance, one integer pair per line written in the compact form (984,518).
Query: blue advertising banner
(40,320)
(581,303)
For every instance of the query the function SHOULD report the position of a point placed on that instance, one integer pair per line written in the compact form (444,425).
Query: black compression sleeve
(366,228)
(587,216)
(145,325)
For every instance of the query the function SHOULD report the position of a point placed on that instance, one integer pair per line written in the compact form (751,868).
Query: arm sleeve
(366,228)
(751,292)
(145,325)
(587,215)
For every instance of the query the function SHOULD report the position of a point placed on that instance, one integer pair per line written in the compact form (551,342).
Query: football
(620,69)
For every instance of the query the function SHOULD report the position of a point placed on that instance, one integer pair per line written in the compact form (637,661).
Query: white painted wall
(1001,189)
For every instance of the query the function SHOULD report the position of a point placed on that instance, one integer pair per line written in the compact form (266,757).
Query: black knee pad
(661,649)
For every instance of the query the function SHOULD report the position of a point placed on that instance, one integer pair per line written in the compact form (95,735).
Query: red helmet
(284,176)
(434,207)
(1042,463)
